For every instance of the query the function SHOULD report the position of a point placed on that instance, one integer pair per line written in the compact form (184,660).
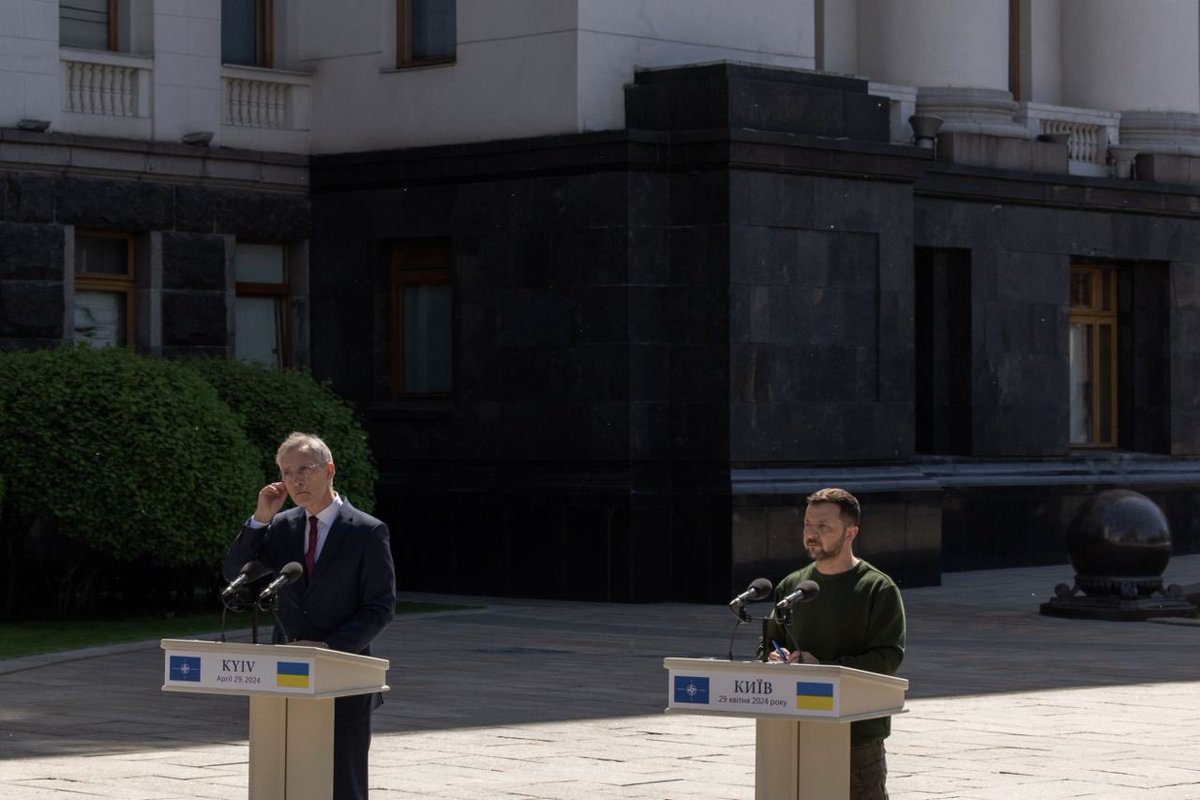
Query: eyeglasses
(299,473)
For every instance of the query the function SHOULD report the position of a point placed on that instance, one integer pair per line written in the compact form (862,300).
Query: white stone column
(954,51)
(1141,59)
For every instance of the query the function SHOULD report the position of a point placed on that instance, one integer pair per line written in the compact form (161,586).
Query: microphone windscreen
(253,570)
(810,588)
(292,571)
(761,587)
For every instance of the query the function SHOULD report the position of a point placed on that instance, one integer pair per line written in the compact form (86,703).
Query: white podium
(291,691)
(803,713)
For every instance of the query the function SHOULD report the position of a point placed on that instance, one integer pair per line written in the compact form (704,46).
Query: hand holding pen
(781,655)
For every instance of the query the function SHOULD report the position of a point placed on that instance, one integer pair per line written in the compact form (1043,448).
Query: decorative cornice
(166,162)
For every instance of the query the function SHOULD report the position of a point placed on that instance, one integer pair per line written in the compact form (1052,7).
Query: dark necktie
(310,555)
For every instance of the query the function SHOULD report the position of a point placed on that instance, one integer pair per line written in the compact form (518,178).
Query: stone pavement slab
(544,699)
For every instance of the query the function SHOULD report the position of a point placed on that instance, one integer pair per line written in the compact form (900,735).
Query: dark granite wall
(1020,261)
(900,533)
(1019,254)
(822,319)
(1144,346)
(1018,315)
(740,284)
(1180,404)
(583,451)
(942,365)
(995,527)
(194,316)
(31,288)
(34,208)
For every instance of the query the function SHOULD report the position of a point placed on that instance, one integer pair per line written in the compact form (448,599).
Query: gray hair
(304,441)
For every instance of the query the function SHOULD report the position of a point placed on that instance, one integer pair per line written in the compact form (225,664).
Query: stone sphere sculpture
(1119,543)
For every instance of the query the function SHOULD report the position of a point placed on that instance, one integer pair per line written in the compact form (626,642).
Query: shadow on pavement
(516,662)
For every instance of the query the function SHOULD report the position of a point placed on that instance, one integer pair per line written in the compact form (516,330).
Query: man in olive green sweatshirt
(856,620)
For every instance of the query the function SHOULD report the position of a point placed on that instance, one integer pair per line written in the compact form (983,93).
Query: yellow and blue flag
(814,696)
(293,674)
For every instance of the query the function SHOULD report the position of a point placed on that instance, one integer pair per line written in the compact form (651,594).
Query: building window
(89,24)
(422,305)
(1093,356)
(426,31)
(104,288)
(260,307)
(246,33)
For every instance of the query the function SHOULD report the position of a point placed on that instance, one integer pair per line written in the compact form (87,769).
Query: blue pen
(779,651)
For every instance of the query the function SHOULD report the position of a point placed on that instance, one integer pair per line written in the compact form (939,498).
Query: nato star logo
(691,690)
(185,668)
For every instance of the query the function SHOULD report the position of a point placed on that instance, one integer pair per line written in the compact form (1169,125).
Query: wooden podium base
(292,688)
(803,714)
(291,748)
(801,760)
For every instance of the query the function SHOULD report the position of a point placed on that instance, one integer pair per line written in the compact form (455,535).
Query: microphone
(250,572)
(290,573)
(805,592)
(759,589)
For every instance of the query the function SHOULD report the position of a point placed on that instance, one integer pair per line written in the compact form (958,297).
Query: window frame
(1015,21)
(1094,315)
(421,262)
(125,284)
(280,291)
(264,38)
(404,59)
(113,30)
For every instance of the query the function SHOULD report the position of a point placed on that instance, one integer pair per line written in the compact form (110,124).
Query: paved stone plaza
(542,699)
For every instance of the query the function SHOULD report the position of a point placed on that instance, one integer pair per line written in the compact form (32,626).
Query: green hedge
(274,403)
(131,456)
(124,475)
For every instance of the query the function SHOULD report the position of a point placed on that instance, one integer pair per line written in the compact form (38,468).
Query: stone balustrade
(254,98)
(105,84)
(256,104)
(1090,133)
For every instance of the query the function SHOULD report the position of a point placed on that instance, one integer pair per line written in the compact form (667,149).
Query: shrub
(134,458)
(273,403)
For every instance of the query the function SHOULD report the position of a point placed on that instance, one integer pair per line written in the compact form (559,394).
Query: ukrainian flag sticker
(292,674)
(814,696)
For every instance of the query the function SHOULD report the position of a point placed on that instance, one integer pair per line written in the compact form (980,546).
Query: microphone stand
(232,603)
(237,603)
(744,616)
(270,605)
(785,622)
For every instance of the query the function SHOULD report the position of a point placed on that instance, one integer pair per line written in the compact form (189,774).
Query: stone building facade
(616,285)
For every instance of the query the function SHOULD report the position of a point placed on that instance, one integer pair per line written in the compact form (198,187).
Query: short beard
(824,554)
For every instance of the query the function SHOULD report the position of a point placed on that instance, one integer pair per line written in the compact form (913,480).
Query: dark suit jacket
(346,602)
(350,597)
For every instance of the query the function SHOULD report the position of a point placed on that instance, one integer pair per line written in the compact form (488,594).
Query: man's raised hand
(270,500)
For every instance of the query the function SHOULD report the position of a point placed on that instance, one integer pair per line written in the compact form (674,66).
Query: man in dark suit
(347,594)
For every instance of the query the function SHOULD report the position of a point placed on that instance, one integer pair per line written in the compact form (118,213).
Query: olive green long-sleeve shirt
(856,620)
